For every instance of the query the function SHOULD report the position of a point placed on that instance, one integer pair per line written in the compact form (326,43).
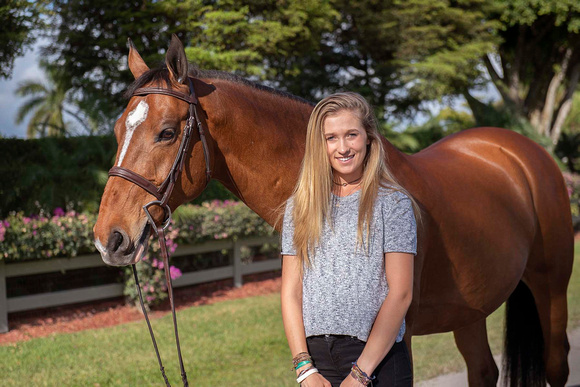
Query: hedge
(42,174)
(68,234)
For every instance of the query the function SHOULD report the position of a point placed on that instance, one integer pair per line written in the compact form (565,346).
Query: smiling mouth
(345,159)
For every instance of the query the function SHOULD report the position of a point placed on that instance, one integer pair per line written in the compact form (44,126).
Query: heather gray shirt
(346,286)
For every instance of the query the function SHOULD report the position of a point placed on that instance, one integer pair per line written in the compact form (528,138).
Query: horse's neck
(260,139)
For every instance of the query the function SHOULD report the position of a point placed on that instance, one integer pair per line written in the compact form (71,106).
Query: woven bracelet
(359,375)
(299,358)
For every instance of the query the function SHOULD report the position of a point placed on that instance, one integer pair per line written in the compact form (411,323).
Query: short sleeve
(288,230)
(400,227)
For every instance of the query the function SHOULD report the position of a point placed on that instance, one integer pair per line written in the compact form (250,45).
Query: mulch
(73,318)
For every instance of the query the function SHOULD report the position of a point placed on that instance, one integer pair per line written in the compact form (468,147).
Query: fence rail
(91,293)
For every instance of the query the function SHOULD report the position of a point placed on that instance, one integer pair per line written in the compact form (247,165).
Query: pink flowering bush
(151,273)
(62,234)
(68,234)
(217,220)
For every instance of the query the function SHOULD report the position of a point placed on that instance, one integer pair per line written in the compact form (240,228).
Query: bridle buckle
(166,211)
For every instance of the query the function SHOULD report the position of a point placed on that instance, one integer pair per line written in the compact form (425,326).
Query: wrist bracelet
(311,371)
(302,364)
(305,370)
(301,357)
(359,375)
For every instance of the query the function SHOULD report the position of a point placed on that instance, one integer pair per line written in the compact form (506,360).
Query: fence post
(3,299)
(237,264)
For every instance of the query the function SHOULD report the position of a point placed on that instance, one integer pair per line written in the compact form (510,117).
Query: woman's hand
(350,382)
(315,380)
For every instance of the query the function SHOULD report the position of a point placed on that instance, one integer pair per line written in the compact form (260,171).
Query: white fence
(16,304)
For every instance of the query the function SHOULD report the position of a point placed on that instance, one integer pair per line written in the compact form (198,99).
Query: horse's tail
(523,362)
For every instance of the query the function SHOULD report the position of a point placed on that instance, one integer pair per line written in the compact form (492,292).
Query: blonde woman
(348,243)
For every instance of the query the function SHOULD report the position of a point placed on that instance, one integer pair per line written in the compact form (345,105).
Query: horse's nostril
(115,241)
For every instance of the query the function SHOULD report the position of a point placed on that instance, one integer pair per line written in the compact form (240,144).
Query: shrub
(68,234)
(573,185)
(151,273)
(41,236)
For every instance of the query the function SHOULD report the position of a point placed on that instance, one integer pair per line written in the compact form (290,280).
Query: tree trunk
(565,106)
(513,78)
(548,111)
(498,81)
(481,111)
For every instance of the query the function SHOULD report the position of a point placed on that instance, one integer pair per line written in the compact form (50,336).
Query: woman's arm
(291,299)
(399,271)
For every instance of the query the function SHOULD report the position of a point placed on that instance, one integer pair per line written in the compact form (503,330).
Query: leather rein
(163,194)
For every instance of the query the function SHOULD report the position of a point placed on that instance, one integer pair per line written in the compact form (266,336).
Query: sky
(25,68)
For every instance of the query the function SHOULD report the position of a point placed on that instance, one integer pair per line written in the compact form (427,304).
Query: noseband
(163,194)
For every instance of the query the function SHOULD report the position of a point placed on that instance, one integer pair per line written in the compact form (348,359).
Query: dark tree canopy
(18,18)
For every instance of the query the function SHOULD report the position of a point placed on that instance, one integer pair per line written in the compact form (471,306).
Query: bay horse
(496,223)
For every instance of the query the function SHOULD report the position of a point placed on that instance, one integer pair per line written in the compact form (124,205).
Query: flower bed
(68,234)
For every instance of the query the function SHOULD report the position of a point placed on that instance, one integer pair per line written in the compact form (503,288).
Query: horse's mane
(161,74)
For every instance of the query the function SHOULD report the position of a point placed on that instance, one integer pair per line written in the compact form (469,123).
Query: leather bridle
(163,194)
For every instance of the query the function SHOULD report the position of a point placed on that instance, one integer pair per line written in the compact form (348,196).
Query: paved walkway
(459,379)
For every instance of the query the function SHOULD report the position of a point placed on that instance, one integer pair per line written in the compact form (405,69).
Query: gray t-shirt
(345,287)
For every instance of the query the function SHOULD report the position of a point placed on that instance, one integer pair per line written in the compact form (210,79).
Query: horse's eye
(166,134)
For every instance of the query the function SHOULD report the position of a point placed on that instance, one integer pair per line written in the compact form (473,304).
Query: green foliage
(54,172)
(44,236)
(446,122)
(151,273)
(70,234)
(214,191)
(442,44)
(568,150)
(45,103)
(90,45)
(64,172)
(573,185)
(18,19)
(264,40)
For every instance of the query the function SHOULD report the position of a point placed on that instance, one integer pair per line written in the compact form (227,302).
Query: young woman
(348,242)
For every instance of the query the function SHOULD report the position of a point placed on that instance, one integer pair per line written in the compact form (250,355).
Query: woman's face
(346,145)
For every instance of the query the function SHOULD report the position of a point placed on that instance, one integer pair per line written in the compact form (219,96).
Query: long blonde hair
(312,194)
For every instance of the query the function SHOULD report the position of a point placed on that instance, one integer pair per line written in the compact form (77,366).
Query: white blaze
(134,119)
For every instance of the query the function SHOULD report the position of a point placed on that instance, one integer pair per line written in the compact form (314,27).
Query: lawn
(234,343)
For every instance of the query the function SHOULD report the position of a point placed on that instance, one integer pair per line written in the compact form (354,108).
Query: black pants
(333,355)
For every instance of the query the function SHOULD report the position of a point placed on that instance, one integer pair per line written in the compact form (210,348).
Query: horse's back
(487,194)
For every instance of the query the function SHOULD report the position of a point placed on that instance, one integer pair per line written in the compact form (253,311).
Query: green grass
(234,343)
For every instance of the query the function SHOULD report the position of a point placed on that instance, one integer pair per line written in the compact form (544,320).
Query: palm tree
(47,104)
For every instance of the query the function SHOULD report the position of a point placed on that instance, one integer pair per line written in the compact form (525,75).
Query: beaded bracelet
(306,374)
(302,356)
(359,375)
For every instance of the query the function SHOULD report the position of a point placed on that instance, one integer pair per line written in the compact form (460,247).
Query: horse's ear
(176,60)
(136,63)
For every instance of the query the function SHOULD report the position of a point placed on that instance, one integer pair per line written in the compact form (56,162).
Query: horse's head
(149,135)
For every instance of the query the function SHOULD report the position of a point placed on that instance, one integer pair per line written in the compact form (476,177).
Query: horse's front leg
(474,347)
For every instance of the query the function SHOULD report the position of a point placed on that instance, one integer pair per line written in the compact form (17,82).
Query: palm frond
(28,106)
(29,87)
